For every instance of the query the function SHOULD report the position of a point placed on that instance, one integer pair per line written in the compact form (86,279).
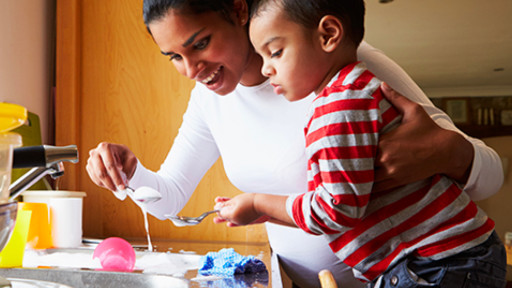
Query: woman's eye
(276,54)
(175,57)
(202,43)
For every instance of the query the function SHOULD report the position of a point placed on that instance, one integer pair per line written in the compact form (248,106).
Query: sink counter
(259,250)
(87,277)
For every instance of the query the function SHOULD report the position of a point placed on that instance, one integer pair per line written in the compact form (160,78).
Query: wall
(26,57)
(113,84)
(113,80)
(499,206)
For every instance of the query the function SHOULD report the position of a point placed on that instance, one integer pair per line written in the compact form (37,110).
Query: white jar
(65,212)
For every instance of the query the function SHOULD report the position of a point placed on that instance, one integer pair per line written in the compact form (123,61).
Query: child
(428,232)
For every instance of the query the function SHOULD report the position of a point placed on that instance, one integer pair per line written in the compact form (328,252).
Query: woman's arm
(193,152)
(447,151)
(443,151)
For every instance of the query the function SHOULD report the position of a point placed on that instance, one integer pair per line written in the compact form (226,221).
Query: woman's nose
(192,68)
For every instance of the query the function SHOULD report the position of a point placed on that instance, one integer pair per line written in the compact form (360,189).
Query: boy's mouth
(277,88)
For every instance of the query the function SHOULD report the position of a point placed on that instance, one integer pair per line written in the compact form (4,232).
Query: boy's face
(292,55)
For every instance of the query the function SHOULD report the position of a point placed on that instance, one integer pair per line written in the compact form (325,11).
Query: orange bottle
(39,234)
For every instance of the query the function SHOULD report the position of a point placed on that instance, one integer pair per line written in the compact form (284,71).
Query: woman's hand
(107,161)
(419,148)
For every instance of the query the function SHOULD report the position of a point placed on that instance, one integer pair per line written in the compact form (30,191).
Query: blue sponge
(228,262)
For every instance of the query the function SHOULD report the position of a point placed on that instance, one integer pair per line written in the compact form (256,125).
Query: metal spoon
(180,221)
(144,194)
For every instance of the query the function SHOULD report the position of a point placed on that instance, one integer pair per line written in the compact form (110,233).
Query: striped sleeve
(341,142)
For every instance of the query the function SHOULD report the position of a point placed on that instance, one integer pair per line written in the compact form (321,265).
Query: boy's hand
(238,211)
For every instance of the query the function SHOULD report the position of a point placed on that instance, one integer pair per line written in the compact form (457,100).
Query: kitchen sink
(76,268)
(91,278)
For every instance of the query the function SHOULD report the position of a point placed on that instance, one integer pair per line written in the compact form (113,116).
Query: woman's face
(208,48)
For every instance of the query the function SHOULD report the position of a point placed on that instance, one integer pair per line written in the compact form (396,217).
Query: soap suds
(167,263)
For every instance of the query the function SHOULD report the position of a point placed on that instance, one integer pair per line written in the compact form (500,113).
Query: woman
(234,113)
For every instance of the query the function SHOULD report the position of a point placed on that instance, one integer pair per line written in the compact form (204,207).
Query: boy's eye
(276,54)
(202,43)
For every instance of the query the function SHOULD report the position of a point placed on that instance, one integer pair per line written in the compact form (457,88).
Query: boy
(425,233)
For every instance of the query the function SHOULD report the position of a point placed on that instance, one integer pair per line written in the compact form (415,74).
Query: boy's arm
(342,137)
(273,206)
(250,208)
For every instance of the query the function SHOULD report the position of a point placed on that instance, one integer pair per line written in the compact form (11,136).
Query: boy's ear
(241,10)
(331,32)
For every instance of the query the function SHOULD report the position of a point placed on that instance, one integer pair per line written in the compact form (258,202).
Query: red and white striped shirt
(432,218)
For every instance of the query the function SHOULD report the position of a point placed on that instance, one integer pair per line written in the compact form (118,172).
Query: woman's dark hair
(156,9)
(309,12)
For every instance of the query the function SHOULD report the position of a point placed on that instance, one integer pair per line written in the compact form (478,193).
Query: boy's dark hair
(309,12)
(156,9)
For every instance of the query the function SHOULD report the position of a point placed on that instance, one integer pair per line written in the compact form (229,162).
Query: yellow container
(8,141)
(12,254)
(11,116)
(508,247)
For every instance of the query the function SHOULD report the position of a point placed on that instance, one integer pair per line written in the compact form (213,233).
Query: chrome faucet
(46,160)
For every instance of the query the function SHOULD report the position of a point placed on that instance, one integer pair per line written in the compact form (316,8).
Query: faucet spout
(46,160)
(43,155)
(31,177)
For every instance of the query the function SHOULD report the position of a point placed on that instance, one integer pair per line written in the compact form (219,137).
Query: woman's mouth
(210,79)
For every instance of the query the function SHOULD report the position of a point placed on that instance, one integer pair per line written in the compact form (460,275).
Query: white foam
(174,264)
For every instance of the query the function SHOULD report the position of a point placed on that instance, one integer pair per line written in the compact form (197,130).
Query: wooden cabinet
(479,117)
(112,84)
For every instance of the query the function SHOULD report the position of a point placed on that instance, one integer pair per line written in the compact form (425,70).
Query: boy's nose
(267,70)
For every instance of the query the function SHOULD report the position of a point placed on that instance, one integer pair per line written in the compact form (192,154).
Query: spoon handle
(207,213)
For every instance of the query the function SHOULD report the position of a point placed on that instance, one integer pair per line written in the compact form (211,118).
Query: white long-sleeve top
(260,137)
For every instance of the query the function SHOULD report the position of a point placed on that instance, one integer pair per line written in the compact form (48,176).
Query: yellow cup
(12,254)
(39,234)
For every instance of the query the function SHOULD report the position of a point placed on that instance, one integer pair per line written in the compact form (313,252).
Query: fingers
(383,181)
(220,199)
(397,100)
(218,220)
(410,110)
(97,171)
(226,211)
(104,166)
(219,204)
(111,160)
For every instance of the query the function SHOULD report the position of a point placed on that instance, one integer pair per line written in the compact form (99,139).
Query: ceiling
(447,45)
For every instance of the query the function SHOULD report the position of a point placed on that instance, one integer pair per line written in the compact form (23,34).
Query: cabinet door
(113,84)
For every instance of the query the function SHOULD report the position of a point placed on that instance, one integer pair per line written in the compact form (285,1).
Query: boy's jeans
(482,266)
